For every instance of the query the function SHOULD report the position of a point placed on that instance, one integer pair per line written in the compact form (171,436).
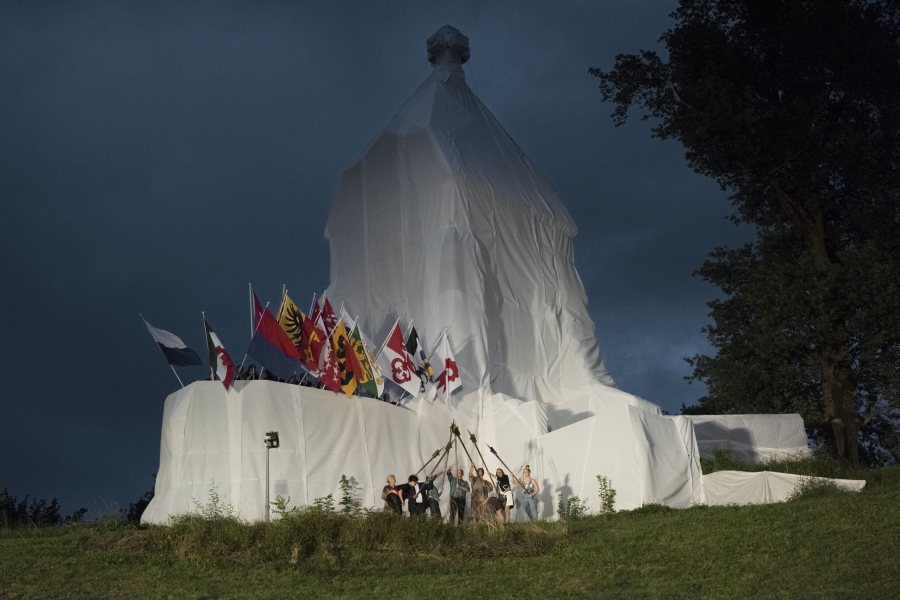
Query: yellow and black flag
(291,321)
(348,365)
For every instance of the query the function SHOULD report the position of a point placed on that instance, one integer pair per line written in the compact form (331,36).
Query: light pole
(271,440)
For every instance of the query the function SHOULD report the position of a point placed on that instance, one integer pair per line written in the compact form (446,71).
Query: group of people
(488,501)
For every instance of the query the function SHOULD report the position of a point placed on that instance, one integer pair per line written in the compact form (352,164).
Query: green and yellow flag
(367,384)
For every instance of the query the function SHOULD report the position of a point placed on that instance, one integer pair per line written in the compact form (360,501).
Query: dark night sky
(156,158)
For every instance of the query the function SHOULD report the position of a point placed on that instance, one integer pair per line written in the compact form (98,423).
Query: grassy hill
(830,546)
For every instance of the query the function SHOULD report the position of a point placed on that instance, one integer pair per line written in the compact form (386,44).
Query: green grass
(829,546)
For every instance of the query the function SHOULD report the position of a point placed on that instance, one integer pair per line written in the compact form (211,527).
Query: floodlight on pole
(271,441)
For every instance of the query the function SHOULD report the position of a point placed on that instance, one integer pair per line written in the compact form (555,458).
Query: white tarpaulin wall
(763,487)
(214,439)
(752,438)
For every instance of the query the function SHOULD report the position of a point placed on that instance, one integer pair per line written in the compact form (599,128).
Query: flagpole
(252,334)
(311,304)
(176,375)
(141,315)
(283,295)
(250,297)
(208,349)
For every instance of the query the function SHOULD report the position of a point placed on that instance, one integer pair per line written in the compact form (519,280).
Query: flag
(348,366)
(366,377)
(328,316)
(417,352)
(328,372)
(271,347)
(396,363)
(349,322)
(447,380)
(314,310)
(291,319)
(219,361)
(175,351)
(314,340)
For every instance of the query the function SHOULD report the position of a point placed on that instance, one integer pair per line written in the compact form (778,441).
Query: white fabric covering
(445,222)
(214,439)
(741,487)
(752,438)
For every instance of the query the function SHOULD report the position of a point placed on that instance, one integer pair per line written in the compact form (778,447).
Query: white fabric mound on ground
(445,222)
(762,487)
(213,439)
(752,438)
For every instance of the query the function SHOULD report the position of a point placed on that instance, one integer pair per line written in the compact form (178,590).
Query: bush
(811,487)
(607,495)
(571,508)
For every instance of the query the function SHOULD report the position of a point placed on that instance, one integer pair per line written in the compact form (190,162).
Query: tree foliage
(15,512)
(792,107)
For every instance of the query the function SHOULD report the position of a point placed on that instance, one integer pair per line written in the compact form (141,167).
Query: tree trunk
(842,421)
(838,390)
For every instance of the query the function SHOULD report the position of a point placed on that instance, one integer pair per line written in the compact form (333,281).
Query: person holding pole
(505,492)
(481,491)
(459,489)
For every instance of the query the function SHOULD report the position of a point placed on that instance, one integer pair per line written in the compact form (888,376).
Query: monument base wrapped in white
(212,440)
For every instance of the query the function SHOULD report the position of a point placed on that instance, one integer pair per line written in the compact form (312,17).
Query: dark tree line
(37,512)
(793,107)
(15,512)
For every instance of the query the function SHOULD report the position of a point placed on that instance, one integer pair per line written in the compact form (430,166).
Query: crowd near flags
(325,348)
(219,360)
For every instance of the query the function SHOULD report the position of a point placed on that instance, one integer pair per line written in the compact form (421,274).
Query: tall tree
(793,107)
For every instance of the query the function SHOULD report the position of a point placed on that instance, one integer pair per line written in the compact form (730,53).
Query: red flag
(328,316)
(314,340)
(396,364)
(314,310)
(269,329)
(448,375)
(328,373)
(219,359)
